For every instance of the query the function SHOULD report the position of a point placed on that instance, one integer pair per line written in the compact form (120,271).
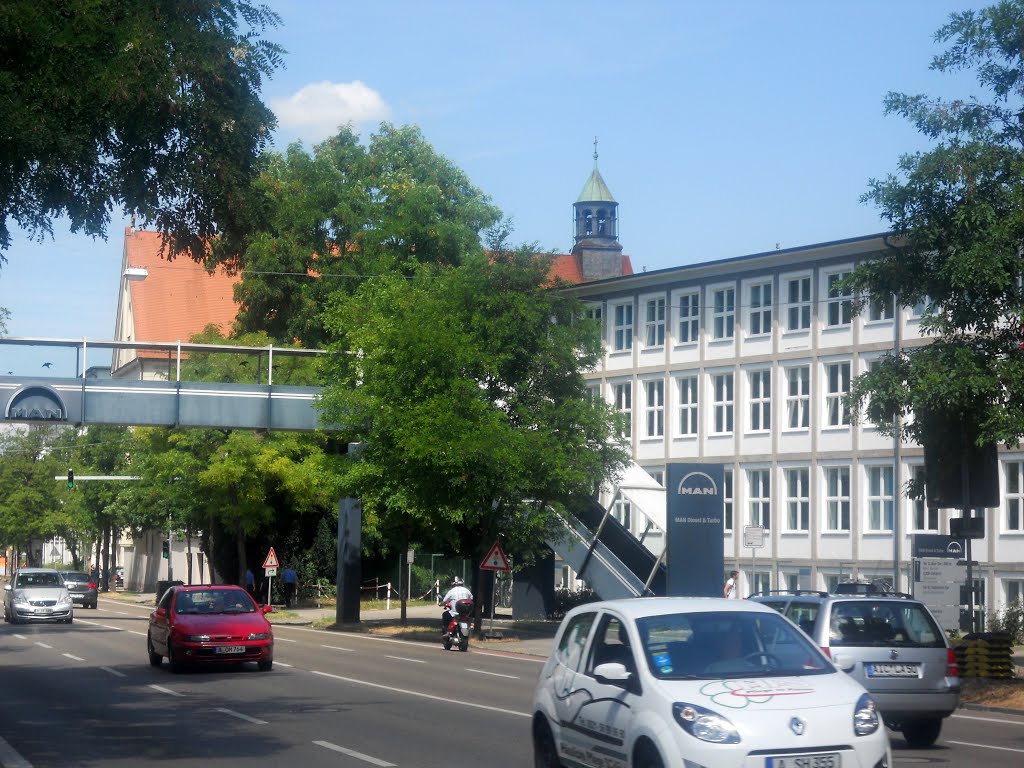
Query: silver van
(892,645)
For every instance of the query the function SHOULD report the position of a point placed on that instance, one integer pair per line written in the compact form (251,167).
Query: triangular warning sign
(271,561)
(495,560)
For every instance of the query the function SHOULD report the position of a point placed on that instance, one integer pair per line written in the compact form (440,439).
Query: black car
(82,586)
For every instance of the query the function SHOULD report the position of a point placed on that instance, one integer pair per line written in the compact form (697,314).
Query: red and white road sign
(495,560)
(271,561)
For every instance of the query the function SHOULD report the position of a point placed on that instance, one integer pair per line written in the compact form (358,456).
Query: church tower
(597,248)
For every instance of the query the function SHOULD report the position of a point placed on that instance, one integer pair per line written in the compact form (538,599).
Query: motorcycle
(459,625)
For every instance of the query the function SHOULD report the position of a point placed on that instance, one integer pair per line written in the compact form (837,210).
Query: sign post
(753,537)
(494,561)
(270,566)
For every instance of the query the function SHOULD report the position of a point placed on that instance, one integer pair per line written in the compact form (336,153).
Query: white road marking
(513,655)
(405,658)
(1000,720)
(281,664)
(9,758)
(353,753)
(72,656)
(133,632)
(422,695)
(983,746)
(21,637)
(240,716)
(338,648)
(43,645)
(166,690)
(114,672)
(493,674)
(285,640)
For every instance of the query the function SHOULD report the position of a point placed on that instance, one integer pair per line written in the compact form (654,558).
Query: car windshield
(686,646)
(209,601)
(72,576)
(883,623)
(38,580)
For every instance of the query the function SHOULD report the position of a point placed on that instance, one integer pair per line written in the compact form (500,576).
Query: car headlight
(704,724)
(66,600)
(865,716)
(198,638)
(260,636)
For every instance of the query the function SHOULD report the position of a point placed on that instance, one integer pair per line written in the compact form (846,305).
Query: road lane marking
(72,656)
(1000,720)
(285,640)
(422,695)
(133,632)
(166,690)
(281,664)
(9,758)
(353,753)
(494,674)
(114,672)
(44,645)
(338,648)
(405,658)
(983,746)
(240,716)
(21,637)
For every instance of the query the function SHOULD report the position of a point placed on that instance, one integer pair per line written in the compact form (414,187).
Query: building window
(760,309)
(760,401)
(622,511)
(1014,496)
(881,308)
(1014,591)
(594,312)
(655,408)
(727,500)
(840,304)
(689,318)
(837,498)
(688,405)
(880,498)
(838,376)
(798,304)
(760,497)
(724,313)
(798,397)
(624,405)
(655,324)
(798,499)
(919,307)
(760,582)
(723,403)
(925,518)
(623,327)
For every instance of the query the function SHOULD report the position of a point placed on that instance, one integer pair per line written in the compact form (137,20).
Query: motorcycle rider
(457,592)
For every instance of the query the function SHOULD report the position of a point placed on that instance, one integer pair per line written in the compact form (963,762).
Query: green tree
(323,221)
(148,104)
(957,216)
(465,385)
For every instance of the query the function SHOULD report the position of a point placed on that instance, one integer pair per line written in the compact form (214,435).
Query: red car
(209,624)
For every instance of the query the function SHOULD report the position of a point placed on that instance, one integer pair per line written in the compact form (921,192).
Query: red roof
(567,267)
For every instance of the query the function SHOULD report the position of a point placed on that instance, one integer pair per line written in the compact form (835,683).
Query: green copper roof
(595,190)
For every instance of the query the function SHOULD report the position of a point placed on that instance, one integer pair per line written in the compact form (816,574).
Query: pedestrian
(729,590)
(250,582)
(290,580)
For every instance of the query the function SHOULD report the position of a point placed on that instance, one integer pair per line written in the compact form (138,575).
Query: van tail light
(826,651)
(951,668)
(92,586)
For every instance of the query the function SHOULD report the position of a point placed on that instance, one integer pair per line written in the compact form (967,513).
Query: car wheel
(922,733)
(172,659)
(264,666)
(92,605)
(68,620)
(463,644)
(545,755)
(154,657)
(647,757)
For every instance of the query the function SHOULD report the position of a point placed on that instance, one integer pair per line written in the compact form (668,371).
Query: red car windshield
(209,601)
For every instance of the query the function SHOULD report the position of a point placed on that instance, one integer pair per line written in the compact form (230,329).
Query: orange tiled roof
(567,267)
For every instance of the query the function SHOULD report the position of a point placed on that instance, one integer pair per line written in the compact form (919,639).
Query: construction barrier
(985,654)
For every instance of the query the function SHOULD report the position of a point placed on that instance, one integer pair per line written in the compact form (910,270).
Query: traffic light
(167,549)
(71,478)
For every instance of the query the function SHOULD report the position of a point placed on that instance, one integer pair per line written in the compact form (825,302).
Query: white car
(701,682)
(37,594)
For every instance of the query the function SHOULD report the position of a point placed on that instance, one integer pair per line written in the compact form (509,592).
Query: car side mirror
(844,661)
(613,673)
(267,609)
(7,587)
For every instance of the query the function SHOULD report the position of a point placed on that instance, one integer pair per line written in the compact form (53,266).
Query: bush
(1010,621)
(566,600)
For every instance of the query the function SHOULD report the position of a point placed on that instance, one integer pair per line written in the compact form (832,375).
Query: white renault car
(700,682)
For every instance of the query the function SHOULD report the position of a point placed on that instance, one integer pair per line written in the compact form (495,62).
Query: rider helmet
(456,582)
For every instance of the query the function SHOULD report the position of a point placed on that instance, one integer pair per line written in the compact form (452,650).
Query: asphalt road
(85,695)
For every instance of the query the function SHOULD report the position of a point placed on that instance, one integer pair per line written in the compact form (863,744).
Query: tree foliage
(152,105)
(957,217)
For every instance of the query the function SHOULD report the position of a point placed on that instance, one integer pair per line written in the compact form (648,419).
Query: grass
(992,692)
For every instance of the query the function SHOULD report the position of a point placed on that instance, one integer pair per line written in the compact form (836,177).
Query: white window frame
(798,306)
(689,317)
(760,399)
(798,499)
(759,497)
(688,391)
(723,403)
(654,407)
(622,394)
(1013,589)
(880,498)
(923,519)
(728,501)
(837,499)
(880,311)
(622,327)
(837,386)
(723,313)
(1013,499)
(622,510)
(838,305)
(654,325)
(798,404)
(760,321)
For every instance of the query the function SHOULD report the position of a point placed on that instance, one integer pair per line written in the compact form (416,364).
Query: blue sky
(724,128)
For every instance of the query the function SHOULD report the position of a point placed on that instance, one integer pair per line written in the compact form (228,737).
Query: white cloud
(316,110)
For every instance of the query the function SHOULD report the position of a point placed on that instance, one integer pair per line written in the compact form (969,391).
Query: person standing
(250,582)
(730,590)
(290,580)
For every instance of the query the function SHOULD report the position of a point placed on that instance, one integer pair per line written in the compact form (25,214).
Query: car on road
(654,682)
(891,644)
(82,587)
(37,594)
(209,624)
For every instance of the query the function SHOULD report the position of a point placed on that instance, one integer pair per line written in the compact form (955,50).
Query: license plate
(893,670)
(229,649)
(42,610)
(820,760)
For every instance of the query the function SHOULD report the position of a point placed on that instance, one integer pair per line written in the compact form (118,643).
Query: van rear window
(867,623)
